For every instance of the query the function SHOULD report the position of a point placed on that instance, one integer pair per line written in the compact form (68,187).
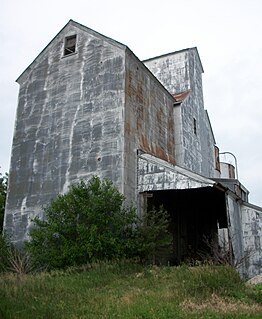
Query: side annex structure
(88,106)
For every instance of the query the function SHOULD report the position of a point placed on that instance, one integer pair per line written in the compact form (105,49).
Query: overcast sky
(227,34)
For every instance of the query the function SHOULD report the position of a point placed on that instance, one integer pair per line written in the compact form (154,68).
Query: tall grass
(128,290)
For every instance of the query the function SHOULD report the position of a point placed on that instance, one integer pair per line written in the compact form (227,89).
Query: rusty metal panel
(149,112)
(217,160)
(227,170)
(149,120)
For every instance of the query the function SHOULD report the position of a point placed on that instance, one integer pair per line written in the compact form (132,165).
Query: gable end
(71,23)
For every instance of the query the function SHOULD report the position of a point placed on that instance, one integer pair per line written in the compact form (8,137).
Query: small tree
(3,190)
(88,223)
(154,236)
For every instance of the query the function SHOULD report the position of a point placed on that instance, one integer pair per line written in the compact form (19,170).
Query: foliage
(3,190)
(154,237)
(128,290)
(88,223)
(4,252)
(13,259)
(219,252)
(91,222)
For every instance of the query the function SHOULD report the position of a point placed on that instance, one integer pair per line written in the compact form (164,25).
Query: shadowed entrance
(195,214)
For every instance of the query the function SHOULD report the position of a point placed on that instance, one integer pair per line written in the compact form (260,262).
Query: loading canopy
(196,205)
(157,174)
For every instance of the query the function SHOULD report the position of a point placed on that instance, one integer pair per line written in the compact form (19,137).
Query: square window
(70,45)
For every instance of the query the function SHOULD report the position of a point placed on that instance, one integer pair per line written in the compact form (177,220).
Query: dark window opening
(70,45)
(195,126)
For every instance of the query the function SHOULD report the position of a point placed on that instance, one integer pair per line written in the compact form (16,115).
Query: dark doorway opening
(195,216)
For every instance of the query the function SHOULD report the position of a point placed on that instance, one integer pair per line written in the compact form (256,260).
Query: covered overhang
(196,205)
(157,174)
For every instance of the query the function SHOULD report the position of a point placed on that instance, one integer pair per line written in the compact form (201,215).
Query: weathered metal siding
(172,70)
(235,231)
(156,174)
(198,148)
(69,124)
(245,229)
(252,236)
(180,72)
(149,124)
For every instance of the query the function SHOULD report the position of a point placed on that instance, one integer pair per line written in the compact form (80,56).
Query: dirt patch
(255,280)
(222,305)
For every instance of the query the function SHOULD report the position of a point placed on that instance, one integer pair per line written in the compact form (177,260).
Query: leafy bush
(88,223)
(91,222)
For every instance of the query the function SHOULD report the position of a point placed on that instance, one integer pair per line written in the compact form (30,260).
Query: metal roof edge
(176,52)
(231,181)
(179,169)
(209,122)
(85,28)
(78,25)
(252,206)
(147,70)
(33,62)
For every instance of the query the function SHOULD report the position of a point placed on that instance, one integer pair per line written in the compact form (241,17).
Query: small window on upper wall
(195,126)
(70,45)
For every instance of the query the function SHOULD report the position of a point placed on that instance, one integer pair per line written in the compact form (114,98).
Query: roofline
(151,74)
(17,80)
(181,170)
(250,205)
(114,42)
(176,52)
(76,24)
(85,28)
(210,126)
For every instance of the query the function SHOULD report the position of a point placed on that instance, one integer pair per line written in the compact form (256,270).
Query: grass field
(128,290)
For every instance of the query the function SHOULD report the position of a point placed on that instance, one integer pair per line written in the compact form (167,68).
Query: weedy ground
(129,290)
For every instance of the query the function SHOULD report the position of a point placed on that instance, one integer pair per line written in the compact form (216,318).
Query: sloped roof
(176,52)
(178,97)
(199,180)
(77,25)
(210,126)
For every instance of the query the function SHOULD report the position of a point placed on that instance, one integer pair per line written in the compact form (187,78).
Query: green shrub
(88,223)
(91,222)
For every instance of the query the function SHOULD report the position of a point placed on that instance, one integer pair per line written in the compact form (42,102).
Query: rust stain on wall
(149,116)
